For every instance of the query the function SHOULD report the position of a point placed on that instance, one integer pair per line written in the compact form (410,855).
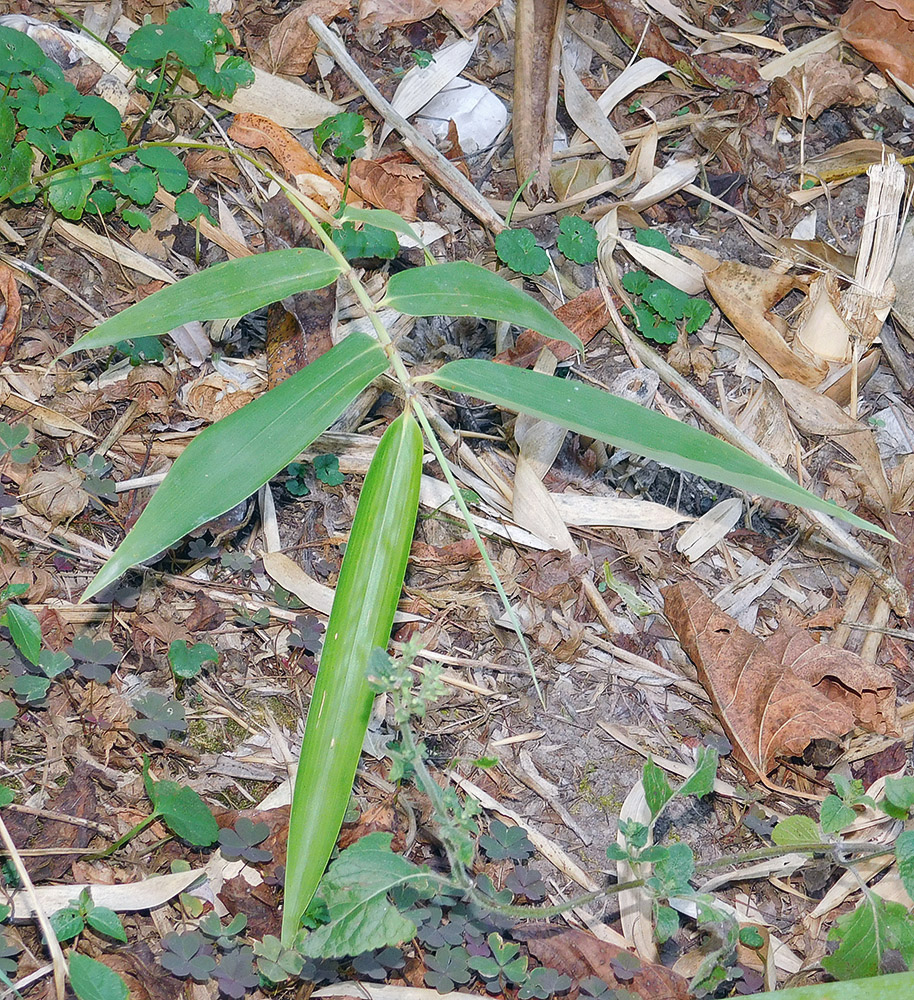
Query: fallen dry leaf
(258,132)
(579,954)
(389,183)
(843,677)
(585,315)
(807,90)
(746,295)
(884,33)
(289,47)
(9,291)
(56,494)
(765,709)
(381,14)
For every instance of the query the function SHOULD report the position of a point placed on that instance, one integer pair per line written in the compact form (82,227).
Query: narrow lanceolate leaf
(895,987)
(587,410)
(235,457)
(463,289)
(223,291)
(366,598)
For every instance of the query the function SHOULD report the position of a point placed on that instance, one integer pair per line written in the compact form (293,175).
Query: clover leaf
(94,659)
(503,842)
(577,240)
(163,716)
(519,250)
(327,470)
(543,984)
(187,955)
(242,841)
(11,439)
(235,973)
(447,968)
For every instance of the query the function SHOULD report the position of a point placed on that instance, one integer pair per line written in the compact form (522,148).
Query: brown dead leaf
(212,397)
(145,978)
(585,315)
(765,709)
(289,47)
(56,494)
(258,132)
(843,677)
(814,413)
(579,954)
(746,295)
(211,164)
(883,32)
(381,14)
(691,360)
(822,81)
(9,291)
(389,183)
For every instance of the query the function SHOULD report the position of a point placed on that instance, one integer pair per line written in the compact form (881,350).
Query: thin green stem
(128,836)
(474,532)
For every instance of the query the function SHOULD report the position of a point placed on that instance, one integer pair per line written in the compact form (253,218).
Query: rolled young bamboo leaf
(223,291)
(459,288)
(369,586)
(587,410)
(232,459)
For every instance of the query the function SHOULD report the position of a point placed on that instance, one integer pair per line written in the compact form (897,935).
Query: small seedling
(83,912)
(327,470)
(343,134)
(577,240)
(225,936)
(506,964)
(23,626)
(519,250)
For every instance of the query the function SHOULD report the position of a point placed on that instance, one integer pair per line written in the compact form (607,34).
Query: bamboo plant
(233,458)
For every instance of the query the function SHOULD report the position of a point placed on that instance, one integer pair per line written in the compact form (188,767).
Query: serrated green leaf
(875,927)
(232,459)
(355,892)
(67,923)
(106,922)
(834,815)
(189,207)
(104,116)
(138,219)
(665,299)
(795,830)
(226,290)
(675,870)
(345,131)
(592,412)
(519,250)
(899,794)
(92,980)
(577,240)
(666,923)
(653,238)
(696,312)
(636,282)
(657,790)
(153,42)
(171,171)
(139,183)
(460,288)
(904,852)
(653,326)
(25,631)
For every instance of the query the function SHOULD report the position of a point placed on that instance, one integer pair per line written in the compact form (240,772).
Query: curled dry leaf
(390,183)
(258,132)
(764,707)
(289,48)
(212,397)
(585,315)
(843,677)
(152,387)
(9,291)
(884,33)
(380,14)
(746,295)
(56,494)
(807,90)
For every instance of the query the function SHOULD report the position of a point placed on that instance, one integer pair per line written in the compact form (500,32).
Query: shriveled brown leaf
(579,954)
(9,291)
(389,183)
(289,47)
(764,707)
(56,494)
(210,164)
(884,33)
(746,295)
(152,387)
(145,978)
(585,315)
(821,82)
(381,14)
(842,676)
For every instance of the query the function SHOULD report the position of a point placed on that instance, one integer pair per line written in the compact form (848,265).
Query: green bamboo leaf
(223,291)
(587,410)
(897,987)
(463,289)
(233,458)
(369,586)
(382,218)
